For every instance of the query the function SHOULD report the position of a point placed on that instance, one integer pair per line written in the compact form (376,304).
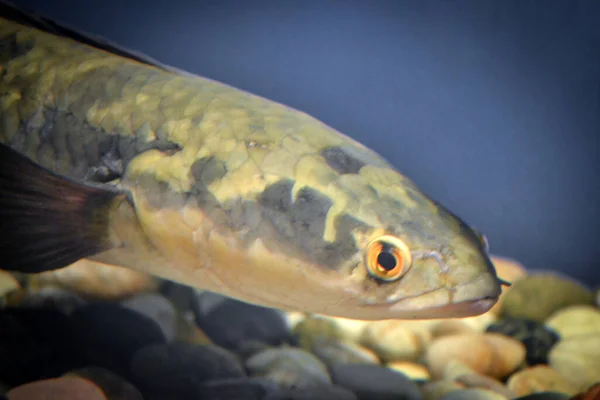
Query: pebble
(509,270)
(538,296)
(337,351)
(230,322)
(414,371)
(289,367)
(8,284)
(52,297)
(452,327)
(177,369)
(489,354)
(373,382)
(248,348)
(112,385)
(186,330)
(434,390)
(68,387)
(545,396)
(108,335)
(477,381)
(537,338)
(575,320)
(35,344)
(473,394)
(592,393)
(229,389)
(455,369)
(323,392)
(181,296)
(95,280)
(315,328)
(576,359)
(351,329)
(394,340)
(540,378)
(157,308)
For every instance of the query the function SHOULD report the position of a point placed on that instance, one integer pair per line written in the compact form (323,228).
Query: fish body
(113,157)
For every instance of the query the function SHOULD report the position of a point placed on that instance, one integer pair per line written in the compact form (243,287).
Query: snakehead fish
(108,155)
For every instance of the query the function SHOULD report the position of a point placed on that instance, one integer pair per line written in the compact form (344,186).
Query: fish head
(343,234)
(371,245)
(414,259)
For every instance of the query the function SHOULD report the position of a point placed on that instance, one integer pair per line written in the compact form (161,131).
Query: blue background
(491,106)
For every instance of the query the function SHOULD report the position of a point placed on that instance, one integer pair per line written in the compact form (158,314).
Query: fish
(111,156)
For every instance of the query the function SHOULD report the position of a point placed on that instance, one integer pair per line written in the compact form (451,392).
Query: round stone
(538,296)
(177,369)
(373,382)
(289,367)
(537,338)
(108,335)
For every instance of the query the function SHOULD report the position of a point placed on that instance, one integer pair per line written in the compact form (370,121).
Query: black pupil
(386,260)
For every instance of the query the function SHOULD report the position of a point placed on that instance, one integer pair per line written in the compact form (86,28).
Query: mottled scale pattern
(253,166)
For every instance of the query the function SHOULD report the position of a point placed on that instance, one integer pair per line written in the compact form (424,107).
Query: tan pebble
(413,370)
(538,296)
(455,368)
(437,389)
(293,318)
(392,341)
(96,280)
(485,382)
(188,332)
(10,290)
(451,327)
(314,328)
(473,394)
(480,322)
(576,359)
(540,378)
(488,354)
(575,320)
(466,349)
(68,387)
(8,283)
(333,351)
(509,354)
(350,329)
(510,271)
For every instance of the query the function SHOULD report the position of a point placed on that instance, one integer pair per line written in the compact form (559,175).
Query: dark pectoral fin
(48,221)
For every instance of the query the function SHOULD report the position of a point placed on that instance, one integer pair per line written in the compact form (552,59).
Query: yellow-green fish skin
(232,192)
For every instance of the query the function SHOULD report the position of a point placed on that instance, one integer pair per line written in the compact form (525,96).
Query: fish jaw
(466,300)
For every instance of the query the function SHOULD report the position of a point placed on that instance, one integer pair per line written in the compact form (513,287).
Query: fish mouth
(467,300)
(463,309)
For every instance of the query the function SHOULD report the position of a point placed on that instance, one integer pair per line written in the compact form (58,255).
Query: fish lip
(445,302)
(466,308)
(461,309)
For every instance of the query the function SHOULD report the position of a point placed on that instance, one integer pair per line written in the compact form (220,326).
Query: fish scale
(198,182)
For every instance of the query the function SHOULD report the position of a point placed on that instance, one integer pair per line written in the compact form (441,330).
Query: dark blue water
(491,107)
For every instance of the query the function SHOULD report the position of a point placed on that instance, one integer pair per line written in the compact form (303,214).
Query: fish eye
(387,258)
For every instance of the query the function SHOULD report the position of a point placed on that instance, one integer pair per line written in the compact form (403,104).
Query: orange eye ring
(387,258)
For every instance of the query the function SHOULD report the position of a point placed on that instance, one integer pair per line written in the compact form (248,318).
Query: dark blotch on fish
(341,161)
(11,48)
(300,225)
(208,169)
